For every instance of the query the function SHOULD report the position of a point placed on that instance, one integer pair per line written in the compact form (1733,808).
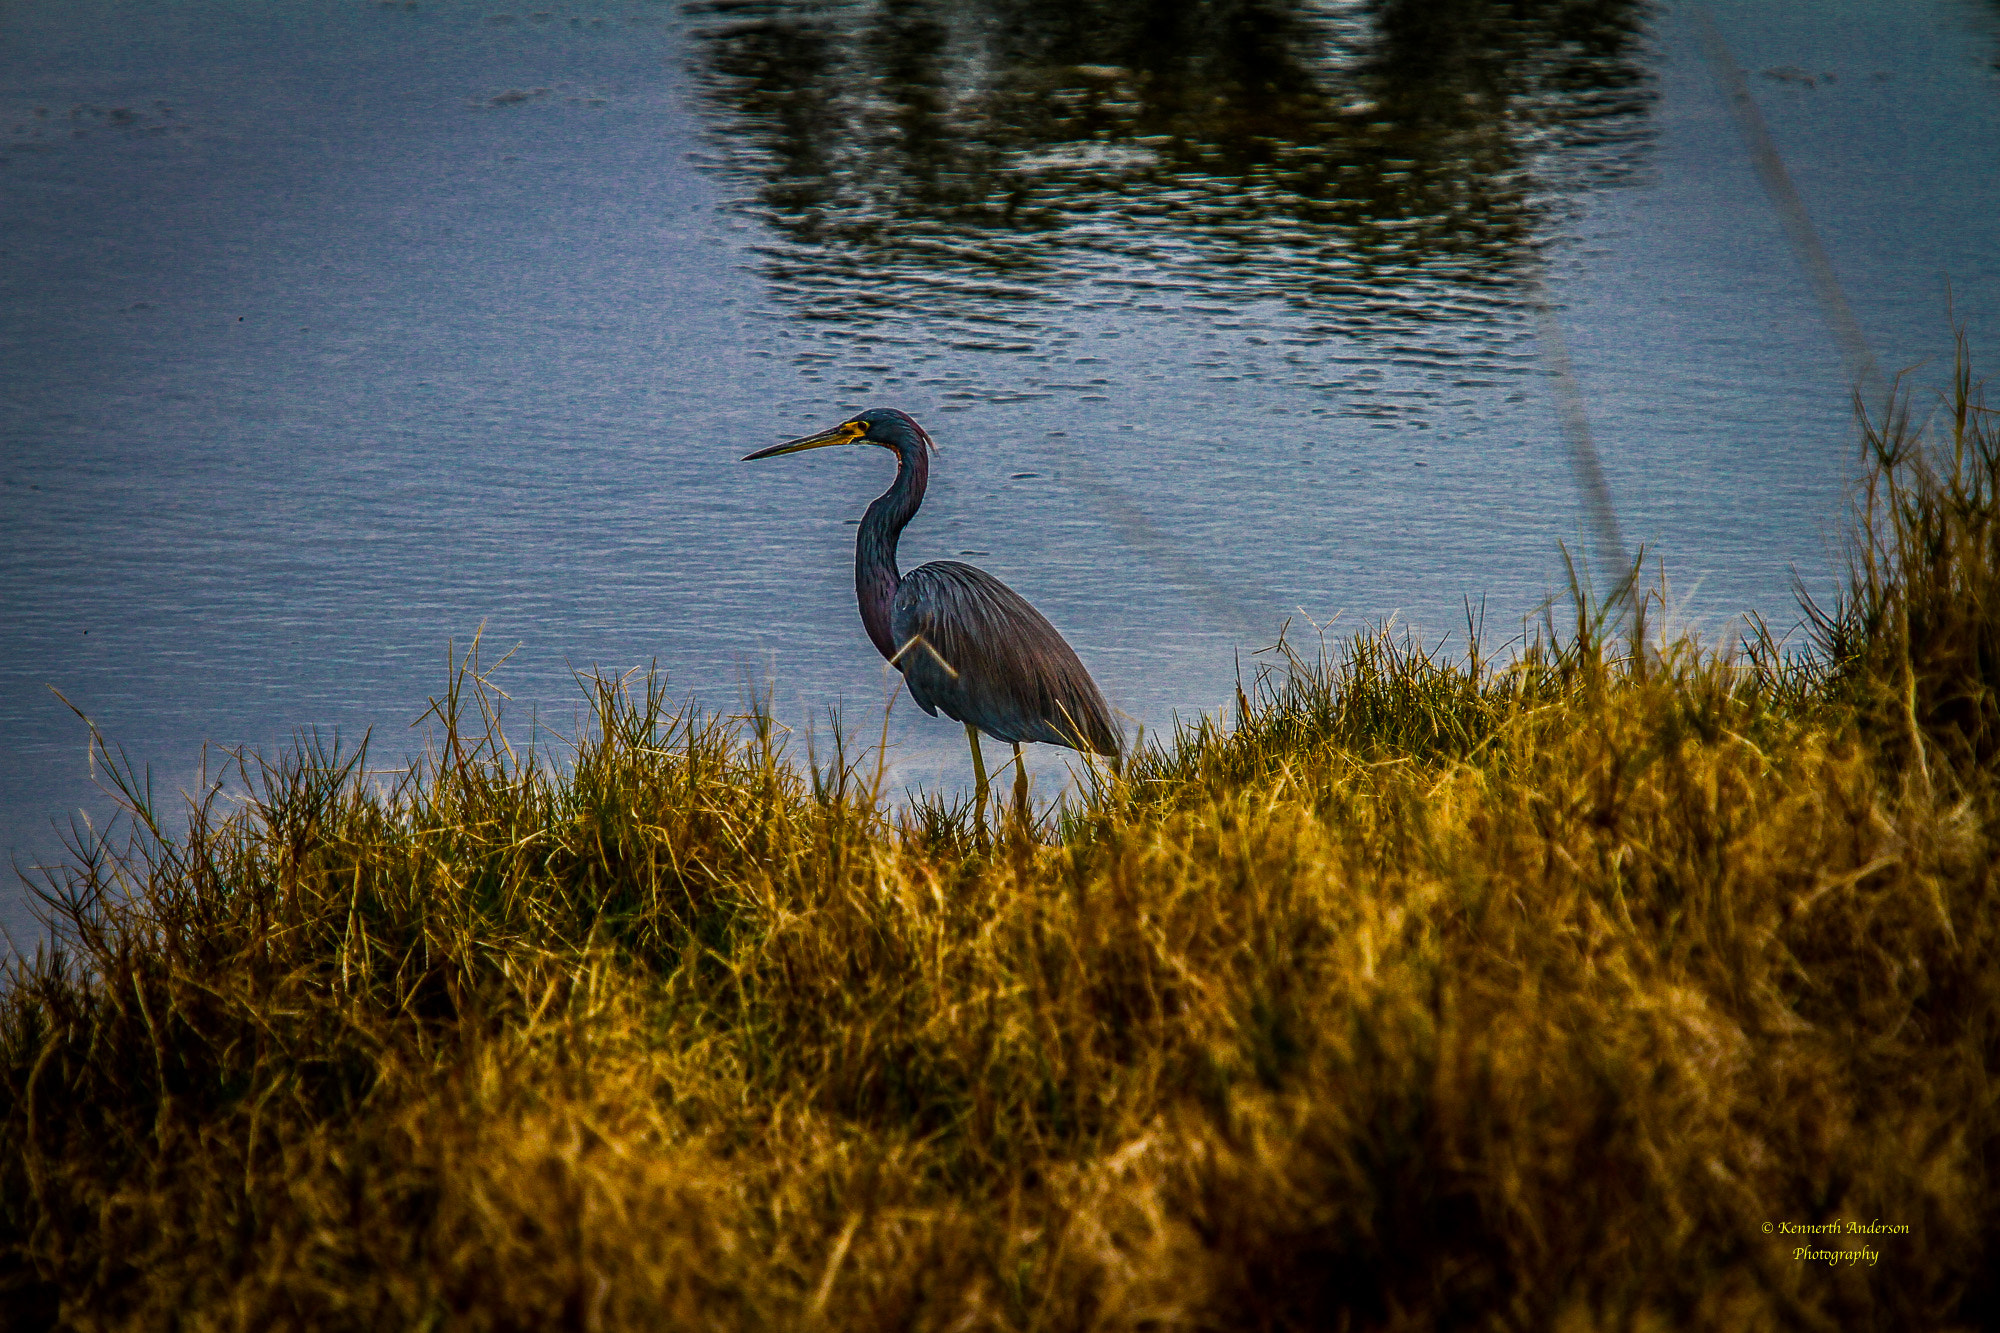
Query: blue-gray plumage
(1016,680)
(966,643)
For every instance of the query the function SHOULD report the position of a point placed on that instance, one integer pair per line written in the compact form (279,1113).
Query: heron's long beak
(845,433)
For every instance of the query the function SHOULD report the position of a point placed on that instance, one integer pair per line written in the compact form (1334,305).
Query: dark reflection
(964,157)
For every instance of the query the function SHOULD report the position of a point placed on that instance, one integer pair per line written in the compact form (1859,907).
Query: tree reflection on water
(965,160)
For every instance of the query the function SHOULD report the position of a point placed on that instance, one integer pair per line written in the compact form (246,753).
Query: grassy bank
(1429,994)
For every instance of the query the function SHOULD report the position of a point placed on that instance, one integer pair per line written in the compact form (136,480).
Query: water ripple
(1378,168)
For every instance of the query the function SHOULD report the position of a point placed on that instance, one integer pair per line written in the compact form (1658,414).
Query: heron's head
(878,425)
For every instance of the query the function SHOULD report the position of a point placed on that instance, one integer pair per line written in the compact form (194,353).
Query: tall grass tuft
(1546,993)
(1917,629)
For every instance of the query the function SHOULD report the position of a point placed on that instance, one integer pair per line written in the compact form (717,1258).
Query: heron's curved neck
(875,574)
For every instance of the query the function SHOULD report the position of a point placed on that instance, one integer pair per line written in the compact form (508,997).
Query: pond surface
(328,337)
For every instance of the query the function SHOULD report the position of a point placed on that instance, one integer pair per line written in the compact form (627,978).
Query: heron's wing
(972,646)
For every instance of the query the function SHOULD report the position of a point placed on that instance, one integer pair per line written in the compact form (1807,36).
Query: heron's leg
(978,778)
(1020,786)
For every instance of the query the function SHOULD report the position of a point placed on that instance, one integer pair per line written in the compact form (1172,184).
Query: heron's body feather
(971,646)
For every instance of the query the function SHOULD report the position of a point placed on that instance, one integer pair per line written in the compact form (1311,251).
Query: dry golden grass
(1427,996)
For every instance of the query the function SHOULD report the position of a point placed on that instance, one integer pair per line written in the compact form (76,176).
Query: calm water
(325,338)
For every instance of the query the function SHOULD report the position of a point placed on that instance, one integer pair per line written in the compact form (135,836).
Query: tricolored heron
(964,641)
